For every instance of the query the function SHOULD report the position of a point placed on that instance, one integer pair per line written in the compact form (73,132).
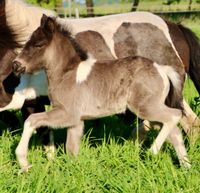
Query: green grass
(107,168)
(112,165)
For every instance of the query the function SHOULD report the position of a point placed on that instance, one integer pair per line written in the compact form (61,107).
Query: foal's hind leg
(176,139)
(170,118)
(54,118)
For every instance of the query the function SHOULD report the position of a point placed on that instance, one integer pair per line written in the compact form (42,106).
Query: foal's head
(50,44)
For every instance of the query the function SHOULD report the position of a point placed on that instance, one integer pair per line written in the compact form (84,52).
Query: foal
(81,88)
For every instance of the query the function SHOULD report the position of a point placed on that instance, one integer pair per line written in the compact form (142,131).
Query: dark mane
(7,35)
(66,31)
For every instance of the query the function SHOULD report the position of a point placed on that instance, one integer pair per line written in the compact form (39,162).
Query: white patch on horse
(31,86)
(84,69)
(167,72)
(100,24)
(165,80)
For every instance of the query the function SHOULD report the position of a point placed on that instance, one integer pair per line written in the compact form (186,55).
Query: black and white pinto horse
(83,88)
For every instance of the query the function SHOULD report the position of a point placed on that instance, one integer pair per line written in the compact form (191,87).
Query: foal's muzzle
(17,68)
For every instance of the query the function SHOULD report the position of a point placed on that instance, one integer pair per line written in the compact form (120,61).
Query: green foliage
(43,3)
(169,2)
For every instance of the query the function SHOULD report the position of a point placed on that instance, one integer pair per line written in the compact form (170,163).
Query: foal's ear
(48,24)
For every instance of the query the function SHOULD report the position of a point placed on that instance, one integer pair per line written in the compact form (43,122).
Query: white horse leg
(16,103)
(176,139)
(74,135)
(22,148)
(50,148)
(190,121)
(164,133)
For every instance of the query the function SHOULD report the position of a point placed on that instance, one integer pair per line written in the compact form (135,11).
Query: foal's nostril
(17,68)
(16,65)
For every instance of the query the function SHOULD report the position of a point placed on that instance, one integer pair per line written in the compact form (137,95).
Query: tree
(169,2)
(40,1)
(190,5)
(135,5)
(90,8)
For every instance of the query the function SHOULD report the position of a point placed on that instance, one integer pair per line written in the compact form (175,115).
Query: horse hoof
(24,170)
(186,164)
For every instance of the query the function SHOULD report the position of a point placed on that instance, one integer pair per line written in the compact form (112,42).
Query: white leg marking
(50,148)
(166,130)
(22,148)
(176,139)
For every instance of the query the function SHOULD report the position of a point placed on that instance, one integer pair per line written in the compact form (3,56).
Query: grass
(111,166)
(107,168)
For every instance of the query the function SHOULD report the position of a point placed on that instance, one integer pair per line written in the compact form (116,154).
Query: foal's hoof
(50,151)
(186,165)
(154,150)
(24,169)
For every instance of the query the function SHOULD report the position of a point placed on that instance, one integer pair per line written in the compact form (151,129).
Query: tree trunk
(135,5)
(190,4)
(90,8)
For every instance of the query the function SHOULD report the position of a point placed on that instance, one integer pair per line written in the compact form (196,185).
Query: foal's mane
(66,31)
(7,35)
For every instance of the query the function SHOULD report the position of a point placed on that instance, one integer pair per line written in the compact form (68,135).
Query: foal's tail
(194,67)
(174,96)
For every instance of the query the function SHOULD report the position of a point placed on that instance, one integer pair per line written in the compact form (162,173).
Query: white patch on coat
(33,85)
(30,87)
(167,72)
(29,17)
(165,81)
(107,25)
(84,69)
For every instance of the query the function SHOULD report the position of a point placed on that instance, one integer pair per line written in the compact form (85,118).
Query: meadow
(107,163)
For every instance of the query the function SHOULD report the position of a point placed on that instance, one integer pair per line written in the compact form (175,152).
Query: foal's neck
(62,58)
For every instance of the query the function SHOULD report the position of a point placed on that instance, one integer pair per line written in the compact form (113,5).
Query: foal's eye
(38,45)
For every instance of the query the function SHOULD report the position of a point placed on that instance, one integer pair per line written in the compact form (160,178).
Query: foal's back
(108,86)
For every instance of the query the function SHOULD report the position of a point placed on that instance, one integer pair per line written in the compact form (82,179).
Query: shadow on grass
(117,127)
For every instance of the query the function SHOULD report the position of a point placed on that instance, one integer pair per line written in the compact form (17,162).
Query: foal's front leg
(74,135)
(54,118)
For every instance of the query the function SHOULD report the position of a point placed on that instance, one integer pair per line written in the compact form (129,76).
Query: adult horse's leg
(190,121)
(188,47)
(54,118)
